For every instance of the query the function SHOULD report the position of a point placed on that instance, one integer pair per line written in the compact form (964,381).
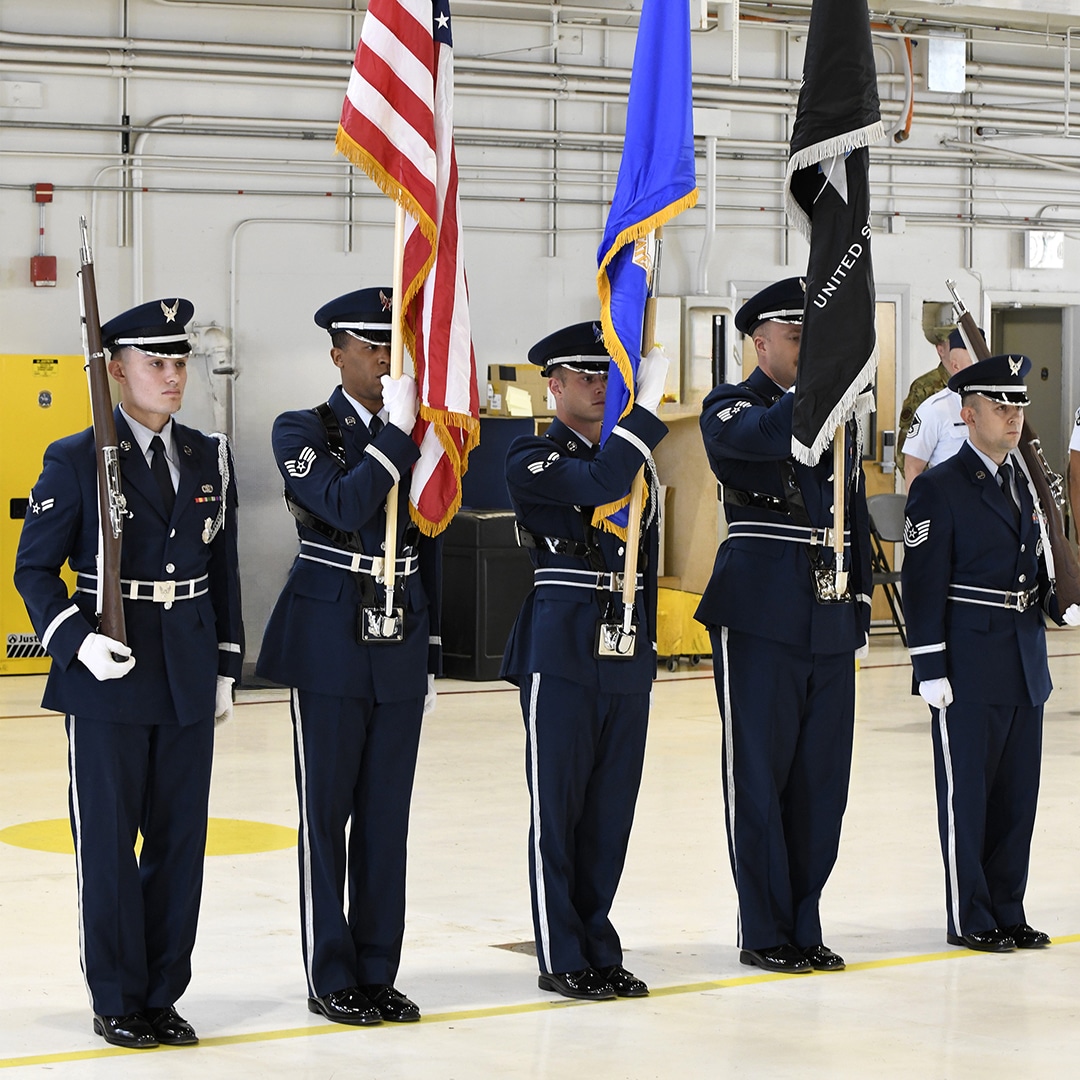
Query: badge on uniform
(376,625)
(614,641)
(825,586)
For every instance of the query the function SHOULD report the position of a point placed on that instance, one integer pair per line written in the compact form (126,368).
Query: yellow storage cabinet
(42,398)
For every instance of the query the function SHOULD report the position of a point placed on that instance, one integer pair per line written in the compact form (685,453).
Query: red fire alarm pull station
(42,266)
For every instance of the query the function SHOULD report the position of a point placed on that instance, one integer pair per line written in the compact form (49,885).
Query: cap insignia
(169,312)
(386,301)
(1015,365)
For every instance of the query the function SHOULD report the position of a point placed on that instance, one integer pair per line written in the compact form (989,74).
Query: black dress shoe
(822,958)
(348,1006)
(623,982)
(587,984)
(393,1005)
(171,1028)
(1027,937)
(783,958)
(133,1031)
(996,940)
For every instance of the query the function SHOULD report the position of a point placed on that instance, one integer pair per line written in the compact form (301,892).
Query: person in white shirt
(936,431)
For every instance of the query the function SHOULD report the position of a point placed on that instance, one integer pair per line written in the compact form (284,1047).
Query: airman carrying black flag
(828,200)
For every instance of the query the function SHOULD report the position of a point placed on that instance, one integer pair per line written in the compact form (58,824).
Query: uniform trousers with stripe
(355,763)
(138,915)
(986,770)
(788,717)
(584,752)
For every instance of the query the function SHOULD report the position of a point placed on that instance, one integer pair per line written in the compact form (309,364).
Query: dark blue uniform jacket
(960,531)
(764,586)
(311,639)
(551,477)
(179,650)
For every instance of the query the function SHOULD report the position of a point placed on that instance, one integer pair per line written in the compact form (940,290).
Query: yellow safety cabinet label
(42,398)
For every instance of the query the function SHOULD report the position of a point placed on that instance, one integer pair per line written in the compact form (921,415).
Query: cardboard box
(517,390)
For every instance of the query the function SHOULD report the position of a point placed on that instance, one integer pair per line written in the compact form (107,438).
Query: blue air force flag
(657,180)
(828,200)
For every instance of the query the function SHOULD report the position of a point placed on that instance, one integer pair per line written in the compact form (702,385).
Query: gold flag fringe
(614,346)
(395,190)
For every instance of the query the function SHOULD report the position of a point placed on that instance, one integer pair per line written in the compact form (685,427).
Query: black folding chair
(887,527)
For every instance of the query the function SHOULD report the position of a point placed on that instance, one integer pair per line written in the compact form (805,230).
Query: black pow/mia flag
(828,200)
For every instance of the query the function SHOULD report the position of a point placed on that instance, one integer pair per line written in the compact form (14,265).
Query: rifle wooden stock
(110,498)
(1048,484)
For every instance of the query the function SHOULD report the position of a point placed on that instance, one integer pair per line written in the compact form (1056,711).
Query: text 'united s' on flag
(828,200)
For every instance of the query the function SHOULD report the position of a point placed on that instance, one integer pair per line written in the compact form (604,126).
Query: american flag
(397,125)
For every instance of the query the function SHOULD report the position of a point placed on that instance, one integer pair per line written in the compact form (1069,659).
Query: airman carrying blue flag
(657,180)
(828,200)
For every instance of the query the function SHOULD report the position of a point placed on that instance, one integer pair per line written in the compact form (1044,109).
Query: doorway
(1036,332)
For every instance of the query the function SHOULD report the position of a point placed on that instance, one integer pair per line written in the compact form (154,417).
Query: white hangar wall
(228,191)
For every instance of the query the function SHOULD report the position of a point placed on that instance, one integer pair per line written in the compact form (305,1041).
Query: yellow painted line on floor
(311,1030)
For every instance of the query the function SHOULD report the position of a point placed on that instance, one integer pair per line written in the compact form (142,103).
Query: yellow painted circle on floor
(225,836)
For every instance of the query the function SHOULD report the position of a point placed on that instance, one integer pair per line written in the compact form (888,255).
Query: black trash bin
(486,576)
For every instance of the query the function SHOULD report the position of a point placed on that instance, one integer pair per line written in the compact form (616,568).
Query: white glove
(223,699)
(937,693)
(429,697)
(399,397)
(651,376)
(863,651)
(1072,615)
(96,653)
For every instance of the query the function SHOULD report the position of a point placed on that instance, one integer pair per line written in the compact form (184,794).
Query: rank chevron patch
(536,467)
(914,535)
(725,414)
(300,466)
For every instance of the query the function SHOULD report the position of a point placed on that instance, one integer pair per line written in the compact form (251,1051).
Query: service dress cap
(155,328)
(366,314)
(956,339)
(579,347)
(780,302)
(998,378)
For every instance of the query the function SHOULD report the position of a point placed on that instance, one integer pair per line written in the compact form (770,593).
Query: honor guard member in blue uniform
(140,717)
(975,588)
(359,677)
(584,684)
(783,648)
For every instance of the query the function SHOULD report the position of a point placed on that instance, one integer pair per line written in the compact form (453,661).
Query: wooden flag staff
(397,364)
(839,462)
(637,489)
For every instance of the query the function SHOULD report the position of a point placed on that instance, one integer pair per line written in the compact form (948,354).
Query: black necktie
(375,426)
(160,468)
(1005,472)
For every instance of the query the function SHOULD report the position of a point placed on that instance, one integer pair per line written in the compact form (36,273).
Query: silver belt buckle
(164,592)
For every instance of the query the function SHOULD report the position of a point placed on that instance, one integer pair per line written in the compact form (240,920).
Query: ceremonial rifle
(1049,486)
(111,502)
